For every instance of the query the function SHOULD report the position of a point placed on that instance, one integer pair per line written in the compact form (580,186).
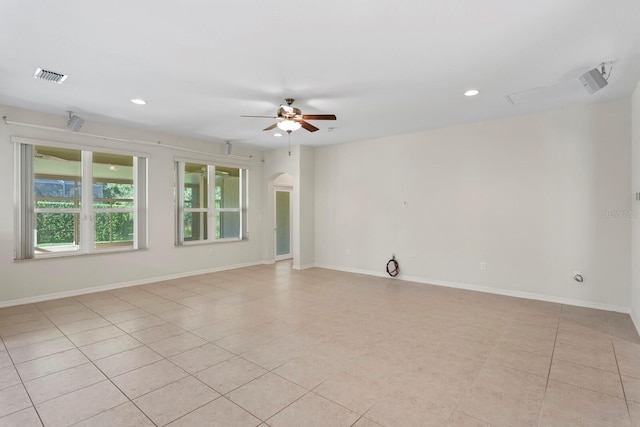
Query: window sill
(210,242)
(54,255)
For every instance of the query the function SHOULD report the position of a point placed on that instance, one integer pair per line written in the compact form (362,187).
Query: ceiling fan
(291,118)
(38,155)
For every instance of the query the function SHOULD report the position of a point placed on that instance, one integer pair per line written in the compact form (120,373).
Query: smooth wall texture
(536,198)
(306,182)
(21,281)
(635,211)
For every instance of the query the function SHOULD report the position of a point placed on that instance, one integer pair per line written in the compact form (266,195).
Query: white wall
(22,281)
(528,195)
(635,211)
(306,183)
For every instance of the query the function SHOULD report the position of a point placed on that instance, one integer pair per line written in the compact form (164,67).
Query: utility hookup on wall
(483,265)
(577,276)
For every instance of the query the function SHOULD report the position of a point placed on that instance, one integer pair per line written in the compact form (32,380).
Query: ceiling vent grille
(50,76)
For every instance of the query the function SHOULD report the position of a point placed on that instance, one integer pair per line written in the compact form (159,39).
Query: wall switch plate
(405,204)
(483,265)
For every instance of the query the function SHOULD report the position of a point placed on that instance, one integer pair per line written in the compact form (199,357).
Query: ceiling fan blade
(308,126)
(49,157)
(271,127)
(319,116)
(263,117)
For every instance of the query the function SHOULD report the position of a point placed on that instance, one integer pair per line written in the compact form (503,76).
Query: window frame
(26,210)
(115,210)
(211,210)
(182,209)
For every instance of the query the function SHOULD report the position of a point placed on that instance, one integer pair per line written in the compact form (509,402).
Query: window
(78,201)
(199,220)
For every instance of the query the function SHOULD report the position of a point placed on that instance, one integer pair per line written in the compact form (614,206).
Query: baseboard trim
(303,267)
(486,289)
(109,287)
(414,279)
(635,319)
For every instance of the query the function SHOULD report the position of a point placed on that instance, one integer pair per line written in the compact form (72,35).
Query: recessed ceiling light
(277,134)
(472,92)
(138,101)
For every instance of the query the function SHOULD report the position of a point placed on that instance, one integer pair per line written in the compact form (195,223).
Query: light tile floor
(269,346)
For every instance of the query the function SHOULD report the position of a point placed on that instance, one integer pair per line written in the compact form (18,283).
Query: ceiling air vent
(50,76)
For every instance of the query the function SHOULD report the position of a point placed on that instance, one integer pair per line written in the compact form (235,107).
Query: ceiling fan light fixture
(290,119)
(289,125)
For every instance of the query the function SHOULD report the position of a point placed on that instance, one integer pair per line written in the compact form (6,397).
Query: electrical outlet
(210,251)
(483,265)
(347,252)
(405,204)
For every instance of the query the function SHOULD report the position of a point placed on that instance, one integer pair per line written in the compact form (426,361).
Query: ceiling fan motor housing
(288,112)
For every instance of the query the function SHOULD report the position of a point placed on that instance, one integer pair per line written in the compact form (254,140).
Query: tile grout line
(172,382)
(192,375)
(20,376)
(243,356)
(151,391)
(546,386)
(221,396)
(303,395)
(100,370)
(624,392)
(484,364)
(163,358)
(363,416)
(123,393)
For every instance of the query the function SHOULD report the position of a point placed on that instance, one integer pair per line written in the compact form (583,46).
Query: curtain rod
(134,141)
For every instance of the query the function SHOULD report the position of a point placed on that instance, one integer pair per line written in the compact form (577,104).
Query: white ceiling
(383,68)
